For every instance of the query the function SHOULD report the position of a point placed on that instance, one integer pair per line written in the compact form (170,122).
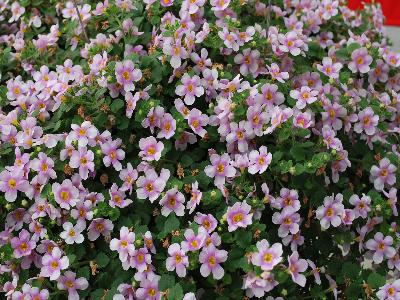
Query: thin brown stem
(80,21)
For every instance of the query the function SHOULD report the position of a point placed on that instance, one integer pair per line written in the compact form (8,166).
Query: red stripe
(391,9)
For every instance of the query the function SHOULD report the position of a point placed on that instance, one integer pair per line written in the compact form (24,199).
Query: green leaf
(166,281)
(376,280)
(176,292)
(116,105)
(102,260)
(243,239)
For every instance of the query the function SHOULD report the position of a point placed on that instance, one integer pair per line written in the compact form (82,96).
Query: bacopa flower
(151,185)
(125,244)
(83,134)
(277,74)
(210,258)
(367,121)
(99,226)
(220,168)
(390,291)
(194,242)
(127,74)
(267,257)
(381,247)
(12,182)
(148,289)
(82,159)
(329,68)
(384,174)
(197,121)
(296,267)
(173,201)
(360,61)
(248,61)
(23,244)
(177,260)
(362,205)
(150,148)
(259,160)
(288,221)
(190,88)
(304,96)
(117,197)
(331,211)
(65,194)
(69,282)
(239,215)
(53,263)
(112,154)
(73,233)
(43,165)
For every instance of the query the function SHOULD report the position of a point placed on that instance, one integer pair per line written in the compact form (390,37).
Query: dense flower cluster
(193,149)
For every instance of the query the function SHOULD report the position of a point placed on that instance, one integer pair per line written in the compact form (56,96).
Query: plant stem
(80,20)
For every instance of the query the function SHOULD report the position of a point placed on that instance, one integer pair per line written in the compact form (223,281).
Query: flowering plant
(193,149)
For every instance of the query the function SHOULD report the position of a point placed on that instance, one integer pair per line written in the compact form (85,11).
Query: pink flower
(117,197)
(331,211)
(151,185)
(267,257)
(53,263)
(73,234)
(276,73)
(230,39)
(173,201)
(390,291)
(125,244)
(82,159)
(190,88)
(290,42)
(130,103)
(150,149)
(392,200)
(248,61)
(112,154)
(383,175)
(360,61)
(12,182)
(197,121)
(168,126)
(362,206)
(177,52)
(210,258)
(368,121)
(239,215)
(329,8)
(259,160)
(99,226)
(148,289)
(241,134)
(44,166)
(166,3)
(219,5)
(304,96)
(65,194)
(139,259)
(128,176)
(177,260)
(380,72)
(195,198)
(296,266)
(270,96)
(207,221)
(127,74)
(84,134)
(329,68)
(194,242)
(23,244)
(288,220)
(69,282)
(380,247)
(220,168)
